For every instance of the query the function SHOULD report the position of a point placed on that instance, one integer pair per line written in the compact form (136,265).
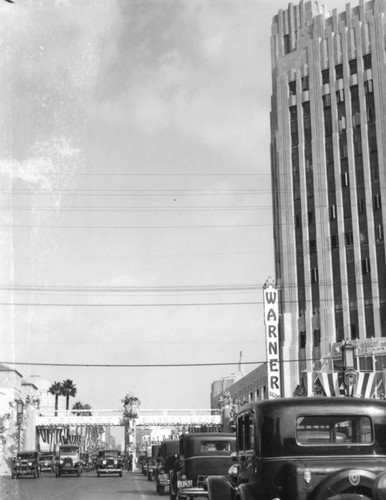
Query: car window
(245,432)
(314,430)
(207,446)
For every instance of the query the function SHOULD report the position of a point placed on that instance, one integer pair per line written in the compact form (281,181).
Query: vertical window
(339,71)
(314,275)
(292,87)
(345,179)
(365,266)
(377,201)
(333,212)
(340,95)
(325,76)
(305,83)
(379,232)
(369,86)
(353,66)
(367,61)
(287,46)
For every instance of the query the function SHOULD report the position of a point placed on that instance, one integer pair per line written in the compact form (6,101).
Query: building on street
(328,161)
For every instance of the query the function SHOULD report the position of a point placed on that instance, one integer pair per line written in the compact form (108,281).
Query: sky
(136,214)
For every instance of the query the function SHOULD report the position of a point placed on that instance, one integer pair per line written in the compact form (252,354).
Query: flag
(332,384)
(365,386)
(43,433)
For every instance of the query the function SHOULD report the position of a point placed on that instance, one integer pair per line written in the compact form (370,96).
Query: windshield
(207,446)
(69,451)
(333,430)
(109,453)
(26,456)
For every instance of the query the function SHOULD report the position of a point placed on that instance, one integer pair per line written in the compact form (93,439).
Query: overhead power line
(175,304)
(202,226)
(148,365)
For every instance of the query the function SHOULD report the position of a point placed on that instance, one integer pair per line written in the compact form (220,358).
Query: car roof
(317,405)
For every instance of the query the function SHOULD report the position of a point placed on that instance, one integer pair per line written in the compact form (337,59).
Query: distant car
(168,453)
(109,462)
(86,461)
(47,462)
(316,448)
(69,461)
(201,455)
(26,463)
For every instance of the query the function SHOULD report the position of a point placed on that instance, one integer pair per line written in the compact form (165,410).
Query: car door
(245,446)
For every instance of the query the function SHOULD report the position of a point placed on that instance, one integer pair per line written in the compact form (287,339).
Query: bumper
(110,471)
(192,492)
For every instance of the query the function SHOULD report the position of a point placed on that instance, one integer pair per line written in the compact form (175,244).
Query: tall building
(328,142)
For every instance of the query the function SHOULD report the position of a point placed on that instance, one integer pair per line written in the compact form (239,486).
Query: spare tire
(351,481)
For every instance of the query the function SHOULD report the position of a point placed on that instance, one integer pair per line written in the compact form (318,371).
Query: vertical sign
(271,320)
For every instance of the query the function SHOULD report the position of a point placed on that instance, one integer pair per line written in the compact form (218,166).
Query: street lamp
(348,358)
(19,419)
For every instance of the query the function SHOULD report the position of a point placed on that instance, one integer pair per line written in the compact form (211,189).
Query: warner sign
(271,320)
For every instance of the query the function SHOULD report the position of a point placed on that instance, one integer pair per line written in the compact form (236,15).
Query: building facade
(250,387)
(328,136)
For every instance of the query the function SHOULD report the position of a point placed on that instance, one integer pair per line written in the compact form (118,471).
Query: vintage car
(315,448)
(152,462)
(201,454)
(167,456)
(109,462)
(69,461)
(26,463)
(47,462)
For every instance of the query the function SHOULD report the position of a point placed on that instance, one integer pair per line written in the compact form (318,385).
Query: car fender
(379,487)
(219,488)
(249,491)
(334,486)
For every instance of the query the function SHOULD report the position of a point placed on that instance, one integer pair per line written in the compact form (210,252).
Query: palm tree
(68,389)
(80,406)
(56,390)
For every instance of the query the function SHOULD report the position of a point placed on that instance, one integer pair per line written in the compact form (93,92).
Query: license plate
(187,483)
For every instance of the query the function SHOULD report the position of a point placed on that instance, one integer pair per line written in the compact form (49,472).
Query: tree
(80,406)
(56,390)
(68,390)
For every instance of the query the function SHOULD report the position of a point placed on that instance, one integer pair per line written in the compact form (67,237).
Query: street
(133,485)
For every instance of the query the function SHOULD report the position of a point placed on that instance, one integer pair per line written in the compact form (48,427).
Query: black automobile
(200,455)
(69,461)
(26,463)
(109,462)
(316,448)
(167,455)
(47,462)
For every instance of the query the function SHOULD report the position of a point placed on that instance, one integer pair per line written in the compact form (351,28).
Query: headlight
(30,463)
(61,461)
(183,477)
(104,462)
(115,462)
(307,476)
(17,464)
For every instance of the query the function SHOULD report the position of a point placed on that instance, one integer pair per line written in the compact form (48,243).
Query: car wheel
(78,472)
(35,474)
(120,474)
(354,482)
(98,474)
(161,490)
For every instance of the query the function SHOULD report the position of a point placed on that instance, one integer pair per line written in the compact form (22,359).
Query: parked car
(152,462)
(26,463)
(168,453)
(315,448)
(201,454)
(109,462)
(47,462)
(69,460)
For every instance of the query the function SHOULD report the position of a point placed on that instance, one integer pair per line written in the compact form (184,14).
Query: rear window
(322,430)
(215,446)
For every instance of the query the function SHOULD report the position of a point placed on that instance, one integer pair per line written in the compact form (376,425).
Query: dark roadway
(133,486)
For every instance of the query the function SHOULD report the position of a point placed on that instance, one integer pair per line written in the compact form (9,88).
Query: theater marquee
(271,320)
